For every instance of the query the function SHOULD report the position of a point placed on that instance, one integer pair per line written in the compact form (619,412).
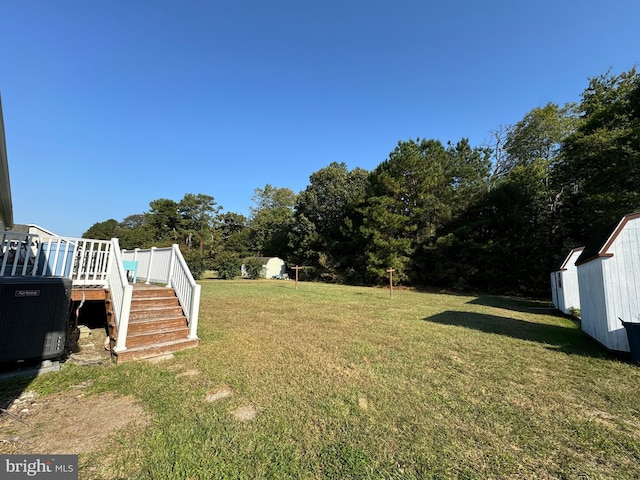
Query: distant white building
(31,229)
(272,267)
(565,291)
(609,280)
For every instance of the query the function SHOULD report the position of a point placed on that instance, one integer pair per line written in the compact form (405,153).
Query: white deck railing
(167,265)
(82,260)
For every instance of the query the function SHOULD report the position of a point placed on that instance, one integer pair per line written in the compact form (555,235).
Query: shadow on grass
(11,388)
(569,340)
(516,305)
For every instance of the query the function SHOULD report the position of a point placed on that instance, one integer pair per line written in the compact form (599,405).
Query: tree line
(493,218)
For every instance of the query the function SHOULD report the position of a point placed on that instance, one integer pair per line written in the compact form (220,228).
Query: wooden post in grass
(390,271)
(296,268)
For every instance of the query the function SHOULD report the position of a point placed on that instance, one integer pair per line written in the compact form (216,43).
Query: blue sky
(110,104)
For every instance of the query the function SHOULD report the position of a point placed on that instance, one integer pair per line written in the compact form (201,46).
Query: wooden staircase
(157,325)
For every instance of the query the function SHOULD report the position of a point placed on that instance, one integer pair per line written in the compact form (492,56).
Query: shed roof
(563,263)
(264,260)
(599,245)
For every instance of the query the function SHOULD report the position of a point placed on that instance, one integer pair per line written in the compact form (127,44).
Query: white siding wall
(609,289)
(622,280)
(569,294)
(593,312)
(565,292)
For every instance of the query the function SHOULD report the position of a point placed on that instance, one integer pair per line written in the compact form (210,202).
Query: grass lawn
(346,383)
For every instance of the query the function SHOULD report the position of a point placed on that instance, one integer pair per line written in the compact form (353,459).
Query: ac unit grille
(34,316)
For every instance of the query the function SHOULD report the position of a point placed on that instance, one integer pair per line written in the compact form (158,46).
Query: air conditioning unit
(34,318)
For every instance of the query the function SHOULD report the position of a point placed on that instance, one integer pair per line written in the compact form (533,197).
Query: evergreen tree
(405,204)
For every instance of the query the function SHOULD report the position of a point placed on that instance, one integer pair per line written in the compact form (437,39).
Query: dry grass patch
(70,422)
(219,394)
(245,413)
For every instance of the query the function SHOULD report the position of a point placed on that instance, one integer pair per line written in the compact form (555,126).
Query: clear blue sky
(109,104)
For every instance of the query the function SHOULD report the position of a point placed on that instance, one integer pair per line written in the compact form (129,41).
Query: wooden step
(148,302)
(153,292)
(149,325)
(155,312)
(140,353)
(156,336)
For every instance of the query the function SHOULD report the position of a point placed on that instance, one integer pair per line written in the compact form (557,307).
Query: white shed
(272,267)
(565,292)
(609,281)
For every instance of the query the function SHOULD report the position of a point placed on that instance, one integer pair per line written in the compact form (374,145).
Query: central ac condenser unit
(34,317)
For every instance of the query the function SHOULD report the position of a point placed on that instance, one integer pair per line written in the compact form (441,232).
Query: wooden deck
(90,293)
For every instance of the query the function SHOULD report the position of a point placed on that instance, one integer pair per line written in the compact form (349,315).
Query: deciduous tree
(323,234)
(271,220)
(601,160)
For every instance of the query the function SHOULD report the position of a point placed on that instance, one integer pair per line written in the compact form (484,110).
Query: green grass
(350,384)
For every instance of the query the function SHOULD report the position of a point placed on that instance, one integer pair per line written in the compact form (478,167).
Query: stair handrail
(121,293)
(168,266)
(187,290)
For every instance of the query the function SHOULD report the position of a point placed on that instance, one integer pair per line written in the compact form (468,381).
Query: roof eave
(6,204)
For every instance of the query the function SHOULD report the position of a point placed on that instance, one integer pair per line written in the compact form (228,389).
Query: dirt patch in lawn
(246,413)
(219,394)
(66,423)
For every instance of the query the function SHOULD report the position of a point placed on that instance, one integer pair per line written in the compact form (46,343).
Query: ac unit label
(27,293)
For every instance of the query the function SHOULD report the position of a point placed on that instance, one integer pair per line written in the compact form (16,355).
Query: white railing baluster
(148,282)
(27,249)
(89,266)
(16,257)
(36,260)
(172,262)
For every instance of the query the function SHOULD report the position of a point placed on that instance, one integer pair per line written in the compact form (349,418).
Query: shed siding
(621,274)
(609,288)
(593,312)
(271,267)
(275,267)
(564,284)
